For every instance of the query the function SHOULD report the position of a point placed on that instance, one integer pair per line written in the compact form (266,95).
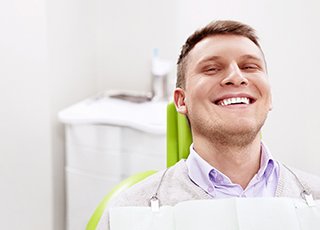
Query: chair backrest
(179,136)
(178,142)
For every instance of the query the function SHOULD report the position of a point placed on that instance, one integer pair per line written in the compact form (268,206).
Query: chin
(242,127)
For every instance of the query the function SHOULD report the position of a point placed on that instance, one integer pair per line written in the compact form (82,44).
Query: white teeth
(235,100)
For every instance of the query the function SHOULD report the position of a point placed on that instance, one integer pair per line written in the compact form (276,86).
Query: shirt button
(210,189)
(213,173)
(219,178)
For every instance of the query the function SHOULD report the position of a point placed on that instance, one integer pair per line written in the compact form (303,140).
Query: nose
(234,77)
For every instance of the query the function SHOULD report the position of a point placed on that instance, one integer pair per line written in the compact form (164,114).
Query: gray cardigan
(176,187)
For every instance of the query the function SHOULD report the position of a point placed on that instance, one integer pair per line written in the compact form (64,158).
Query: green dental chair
(178,142)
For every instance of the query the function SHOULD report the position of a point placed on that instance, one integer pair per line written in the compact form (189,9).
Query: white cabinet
(100,153)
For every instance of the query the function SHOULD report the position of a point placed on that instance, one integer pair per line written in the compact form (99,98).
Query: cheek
(263,85)
(201,86)
(265,91)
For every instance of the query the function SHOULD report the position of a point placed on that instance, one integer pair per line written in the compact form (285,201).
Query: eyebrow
(215,58)
(210,58)
(249,56)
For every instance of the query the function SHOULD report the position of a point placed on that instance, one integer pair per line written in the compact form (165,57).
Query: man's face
(227,91)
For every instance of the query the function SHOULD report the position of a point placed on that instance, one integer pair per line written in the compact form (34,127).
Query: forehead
(225,47)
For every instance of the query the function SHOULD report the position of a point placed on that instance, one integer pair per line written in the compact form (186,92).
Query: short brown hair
(213,28)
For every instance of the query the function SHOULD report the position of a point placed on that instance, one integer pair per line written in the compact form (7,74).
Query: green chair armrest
(94,220)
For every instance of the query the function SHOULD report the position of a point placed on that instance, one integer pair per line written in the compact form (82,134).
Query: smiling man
(225,94)
(223,89)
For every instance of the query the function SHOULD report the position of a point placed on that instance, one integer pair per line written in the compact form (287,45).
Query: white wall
(290,39)
(72,68)
(128,31)
(25,165)
(48,61)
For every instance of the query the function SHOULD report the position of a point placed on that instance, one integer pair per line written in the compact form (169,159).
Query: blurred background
(54,53)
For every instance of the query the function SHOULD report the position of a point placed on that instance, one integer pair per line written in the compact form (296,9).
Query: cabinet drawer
(136,162)
(99,137)
(137,141)
(89,159)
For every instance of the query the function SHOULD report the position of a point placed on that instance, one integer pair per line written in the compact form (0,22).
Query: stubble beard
(224,135)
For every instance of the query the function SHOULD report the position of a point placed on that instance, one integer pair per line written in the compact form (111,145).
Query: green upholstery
(94,220)
(179,136)
(178,142)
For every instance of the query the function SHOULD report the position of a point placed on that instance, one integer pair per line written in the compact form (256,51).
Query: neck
(239,162)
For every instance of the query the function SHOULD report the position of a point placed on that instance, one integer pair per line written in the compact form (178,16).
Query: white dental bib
(221,214)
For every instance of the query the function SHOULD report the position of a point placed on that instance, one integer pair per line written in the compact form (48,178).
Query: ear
(179,101)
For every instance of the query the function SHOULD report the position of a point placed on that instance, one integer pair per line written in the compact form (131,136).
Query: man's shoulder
(140,193)
(311,181)
(137,194)
(171,186)
(302,180)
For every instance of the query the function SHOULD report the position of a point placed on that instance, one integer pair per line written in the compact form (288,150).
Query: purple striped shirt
(263,184)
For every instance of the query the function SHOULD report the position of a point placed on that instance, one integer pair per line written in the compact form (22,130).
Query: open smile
(231,101)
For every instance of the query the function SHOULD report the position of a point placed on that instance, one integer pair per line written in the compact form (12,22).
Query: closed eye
(250,67)
(211,70)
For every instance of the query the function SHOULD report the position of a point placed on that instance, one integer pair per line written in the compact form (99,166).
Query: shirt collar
(198,169)
(203,174)
(267,163)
